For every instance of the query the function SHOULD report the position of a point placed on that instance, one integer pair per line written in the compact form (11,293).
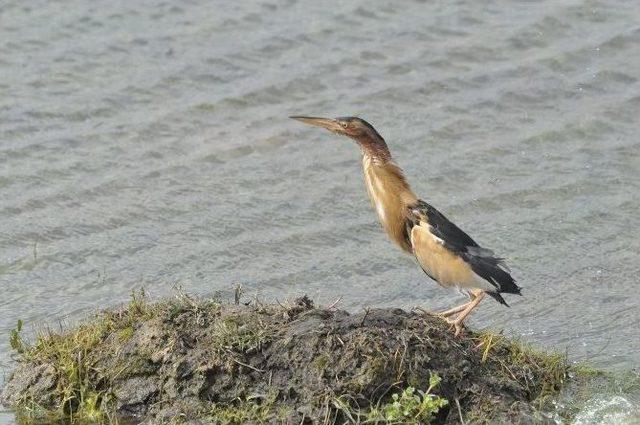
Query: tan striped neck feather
(390,195)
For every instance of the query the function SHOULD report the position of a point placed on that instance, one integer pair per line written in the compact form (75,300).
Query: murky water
(147,144)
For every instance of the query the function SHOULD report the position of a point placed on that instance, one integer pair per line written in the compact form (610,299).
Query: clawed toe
(456,325)
(456,315)
(455,322)
(459,329)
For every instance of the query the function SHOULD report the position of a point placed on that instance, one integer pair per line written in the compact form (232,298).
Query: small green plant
(411,405)
(260,409)
(15,339)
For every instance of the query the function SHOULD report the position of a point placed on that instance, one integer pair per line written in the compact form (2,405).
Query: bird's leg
(457,309)
(457,322)
(453,310)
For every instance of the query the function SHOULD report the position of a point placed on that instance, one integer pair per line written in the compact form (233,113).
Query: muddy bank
(192,360)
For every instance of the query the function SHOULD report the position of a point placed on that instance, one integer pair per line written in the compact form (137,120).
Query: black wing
(482,261)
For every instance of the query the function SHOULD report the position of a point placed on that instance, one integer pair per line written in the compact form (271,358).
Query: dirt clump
(189,360)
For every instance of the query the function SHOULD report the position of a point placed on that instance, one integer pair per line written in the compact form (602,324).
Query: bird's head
(353,127)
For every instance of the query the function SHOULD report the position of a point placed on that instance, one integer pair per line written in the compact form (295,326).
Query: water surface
(147,144)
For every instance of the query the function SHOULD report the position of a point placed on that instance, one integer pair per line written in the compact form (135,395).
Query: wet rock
(133,395)
(33,382)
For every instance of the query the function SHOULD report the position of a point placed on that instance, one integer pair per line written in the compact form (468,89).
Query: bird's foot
(457,325)
(460,313)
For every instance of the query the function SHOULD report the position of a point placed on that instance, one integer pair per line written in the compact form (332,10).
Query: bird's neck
(374,147)
(390,194)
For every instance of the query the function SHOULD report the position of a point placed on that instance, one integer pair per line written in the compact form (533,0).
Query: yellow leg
(457,322)
(453,310)
(459,308)
(449,312)
(445,313)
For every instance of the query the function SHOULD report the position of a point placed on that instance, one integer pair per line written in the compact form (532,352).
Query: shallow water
(147,144)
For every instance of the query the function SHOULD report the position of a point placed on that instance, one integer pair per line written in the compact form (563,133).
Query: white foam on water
(608,410)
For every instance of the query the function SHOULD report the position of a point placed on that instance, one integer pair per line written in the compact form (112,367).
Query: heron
(444,252)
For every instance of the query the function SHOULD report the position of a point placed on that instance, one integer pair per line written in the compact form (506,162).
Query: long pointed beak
(328,123)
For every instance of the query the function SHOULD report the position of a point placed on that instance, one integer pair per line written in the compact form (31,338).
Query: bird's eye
(345,124)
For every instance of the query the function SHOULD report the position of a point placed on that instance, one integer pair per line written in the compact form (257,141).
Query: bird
(445,252)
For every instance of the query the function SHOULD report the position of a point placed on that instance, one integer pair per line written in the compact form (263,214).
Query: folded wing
(451,257)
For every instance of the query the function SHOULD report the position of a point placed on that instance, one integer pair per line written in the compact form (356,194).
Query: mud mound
(188,360)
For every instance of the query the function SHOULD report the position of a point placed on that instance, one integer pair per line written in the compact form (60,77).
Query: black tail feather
(490,269)
(496,296)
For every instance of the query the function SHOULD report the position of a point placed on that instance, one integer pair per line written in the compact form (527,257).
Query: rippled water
(147,144)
